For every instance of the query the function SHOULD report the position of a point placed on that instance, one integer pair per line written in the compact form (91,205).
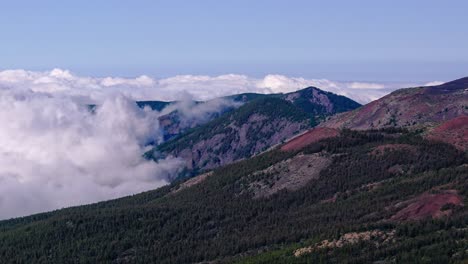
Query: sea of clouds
(56,152)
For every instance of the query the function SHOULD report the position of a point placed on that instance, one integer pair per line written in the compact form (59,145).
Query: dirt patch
(290,174)
(313,135)
(380,150)
(454,131)
(191,182)
(378,237)
(427,205)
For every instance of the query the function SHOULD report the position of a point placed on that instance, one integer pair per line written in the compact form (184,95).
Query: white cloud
(141,81)
(201,87)
(361,85)
(54,152)
(434,83)
(193,113)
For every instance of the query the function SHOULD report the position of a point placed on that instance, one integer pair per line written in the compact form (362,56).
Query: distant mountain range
(304,177)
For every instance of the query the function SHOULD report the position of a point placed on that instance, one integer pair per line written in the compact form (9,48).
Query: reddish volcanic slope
(310,137)
(428,205)
(412,108)
(454,132)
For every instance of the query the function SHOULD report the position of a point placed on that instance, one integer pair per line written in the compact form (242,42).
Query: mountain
(264,121)
(379,196)
(412,108)
(248,130)
(340,193)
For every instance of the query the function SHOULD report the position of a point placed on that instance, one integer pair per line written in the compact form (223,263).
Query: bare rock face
(239,142)
(290,174)
(412,108)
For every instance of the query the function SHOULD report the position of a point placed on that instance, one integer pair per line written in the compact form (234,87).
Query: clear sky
(341,40)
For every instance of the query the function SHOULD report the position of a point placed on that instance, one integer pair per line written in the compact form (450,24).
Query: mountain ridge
(410,107)
(254,127)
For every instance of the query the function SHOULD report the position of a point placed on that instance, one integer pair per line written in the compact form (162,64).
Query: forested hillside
(361,199)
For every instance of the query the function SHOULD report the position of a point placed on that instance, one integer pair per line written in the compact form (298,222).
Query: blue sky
(340,40)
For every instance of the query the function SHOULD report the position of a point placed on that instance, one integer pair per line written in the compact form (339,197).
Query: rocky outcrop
(377,237)
(290,174)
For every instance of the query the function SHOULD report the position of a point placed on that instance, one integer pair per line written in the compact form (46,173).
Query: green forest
(220,220)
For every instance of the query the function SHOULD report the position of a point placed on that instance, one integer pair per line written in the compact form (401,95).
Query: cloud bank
(95,90)
(55,152)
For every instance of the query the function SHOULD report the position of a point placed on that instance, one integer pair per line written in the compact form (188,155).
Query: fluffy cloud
(206,87)
(55,152)
(95,90)
(192,113)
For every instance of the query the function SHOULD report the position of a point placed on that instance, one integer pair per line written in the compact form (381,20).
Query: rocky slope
(320,103)
(244,132)
(256,126)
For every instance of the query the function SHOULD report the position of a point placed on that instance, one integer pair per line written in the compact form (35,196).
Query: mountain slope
(413,108)
(254,127)
(249,129)
(360,195)
(454,131)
